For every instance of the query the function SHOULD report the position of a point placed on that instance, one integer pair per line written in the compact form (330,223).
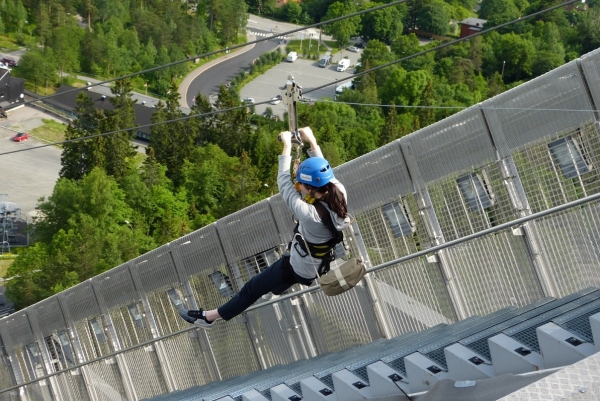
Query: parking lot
(26,176)
(306,73)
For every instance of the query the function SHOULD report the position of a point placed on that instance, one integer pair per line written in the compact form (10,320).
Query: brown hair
(334,198)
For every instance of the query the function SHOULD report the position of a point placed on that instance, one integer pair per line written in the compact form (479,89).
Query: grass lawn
(4,263)
(51,131)
(332,45)
(315,50)
(8,44)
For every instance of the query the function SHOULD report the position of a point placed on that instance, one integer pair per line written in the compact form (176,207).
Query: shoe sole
(202,324)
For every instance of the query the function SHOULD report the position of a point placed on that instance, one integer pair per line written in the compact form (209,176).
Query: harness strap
(319,251)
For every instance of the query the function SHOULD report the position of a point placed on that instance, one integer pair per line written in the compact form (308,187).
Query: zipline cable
(174,63)
(211,113)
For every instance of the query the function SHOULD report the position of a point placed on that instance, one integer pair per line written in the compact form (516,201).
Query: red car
(21,136)
(9,62)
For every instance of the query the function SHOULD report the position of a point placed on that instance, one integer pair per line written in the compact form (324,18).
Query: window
(175,298)
(257,263)
(67,350)
(567,153)
(222,283)
(136,315)
(475,191)
(398,219)
(97,329)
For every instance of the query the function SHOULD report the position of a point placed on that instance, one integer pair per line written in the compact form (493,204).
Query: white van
(292,56)
(342,87)
(343,64)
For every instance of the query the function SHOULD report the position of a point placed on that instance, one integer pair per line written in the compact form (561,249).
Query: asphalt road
(209,81)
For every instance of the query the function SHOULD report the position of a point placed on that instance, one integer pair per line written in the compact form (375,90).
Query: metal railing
(492,207)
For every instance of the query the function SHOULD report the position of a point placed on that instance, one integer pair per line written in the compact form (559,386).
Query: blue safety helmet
(314,171)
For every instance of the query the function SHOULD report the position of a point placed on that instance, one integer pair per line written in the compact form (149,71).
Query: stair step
(511,356)
(560,347)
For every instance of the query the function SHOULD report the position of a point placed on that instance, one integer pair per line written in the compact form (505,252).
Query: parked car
(353,49)
(21,136)
(343,64)
(249,100)
(292,56)
(9,62)
(276,99)
(342,87)
(325,61)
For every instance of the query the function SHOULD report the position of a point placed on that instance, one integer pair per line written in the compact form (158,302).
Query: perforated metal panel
(590,64)
(49,316)
(186,360)
(283,218)
(201,250)
(548,105)
(156,269)
(81,301)
(72,385)
(248,232)
(16,331)
(117,286)
(376,178)
(456,143)
(394,230)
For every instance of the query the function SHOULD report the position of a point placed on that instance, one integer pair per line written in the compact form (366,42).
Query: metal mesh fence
(506,279)
(414,295)
(572,246)
(535,147)
(560,168)
(187,360)
(470,202)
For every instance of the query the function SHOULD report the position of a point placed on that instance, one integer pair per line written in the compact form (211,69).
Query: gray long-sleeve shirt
(311,227)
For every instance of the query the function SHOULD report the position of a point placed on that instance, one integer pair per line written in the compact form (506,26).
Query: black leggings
(275,279)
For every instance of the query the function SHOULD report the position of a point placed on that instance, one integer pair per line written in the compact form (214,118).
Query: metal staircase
(549,333)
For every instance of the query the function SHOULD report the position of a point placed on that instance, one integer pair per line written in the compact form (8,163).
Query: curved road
(208,82)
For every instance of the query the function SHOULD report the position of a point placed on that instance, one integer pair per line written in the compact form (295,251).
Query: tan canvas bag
(341,279)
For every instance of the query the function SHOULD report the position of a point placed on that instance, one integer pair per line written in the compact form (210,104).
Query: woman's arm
(302,210)
(308,136)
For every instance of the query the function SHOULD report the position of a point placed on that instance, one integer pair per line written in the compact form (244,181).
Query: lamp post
(503,64)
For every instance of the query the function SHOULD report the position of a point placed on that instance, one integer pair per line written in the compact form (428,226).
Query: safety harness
(324,251)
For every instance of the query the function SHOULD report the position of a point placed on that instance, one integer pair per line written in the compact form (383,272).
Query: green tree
(343,30)
(515,54)
(65,44)
(80,156)
(385,25)
(497,12)
(404,88)
(433,17)
(119,151)
(38,66)
(83,232)
(172,143)
(293,11)
(589,30)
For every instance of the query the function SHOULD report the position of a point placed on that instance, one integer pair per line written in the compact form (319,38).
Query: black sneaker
(195,317)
